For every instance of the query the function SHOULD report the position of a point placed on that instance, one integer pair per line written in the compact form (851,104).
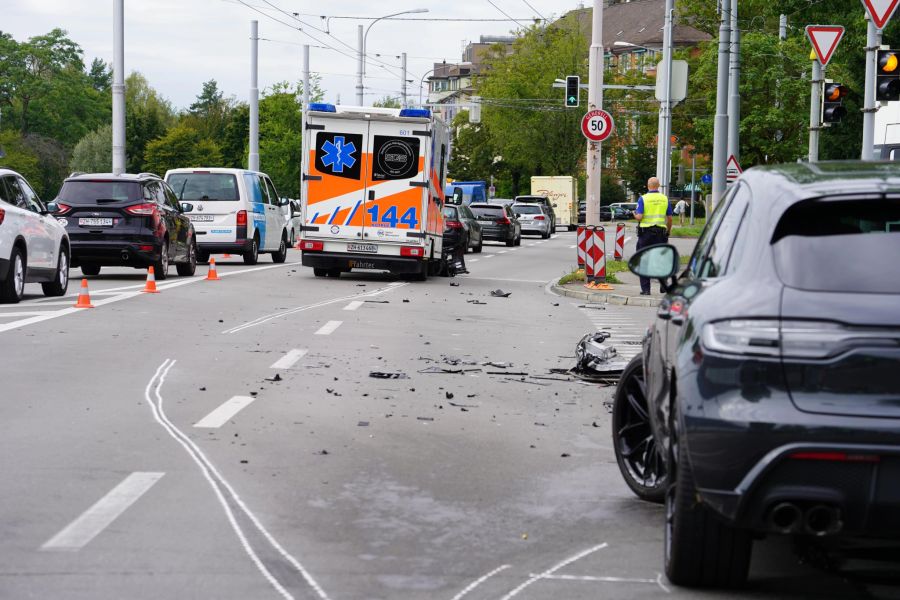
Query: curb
(604,298)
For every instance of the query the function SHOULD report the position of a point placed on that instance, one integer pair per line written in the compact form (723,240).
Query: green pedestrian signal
(573,87)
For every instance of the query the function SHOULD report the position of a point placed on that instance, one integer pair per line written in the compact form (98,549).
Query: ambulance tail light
(412,251)
(242,218)
(454,225)
(311,246)
(503,221)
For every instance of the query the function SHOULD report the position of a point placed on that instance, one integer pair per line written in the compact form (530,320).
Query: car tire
(334,273)
(477,249)
(519,240)
(320,272)
(187,269)
(12,289)
(641,463)
(545,236)
(60,282)
(511,243)
(251,256)
(281,254)
(90,269)
(700,549)
(202,256)
(161,267)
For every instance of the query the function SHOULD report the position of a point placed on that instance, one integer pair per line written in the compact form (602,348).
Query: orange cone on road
(84,297)
(150,288)
(212,275)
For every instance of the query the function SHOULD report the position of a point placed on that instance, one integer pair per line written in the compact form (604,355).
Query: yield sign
(825,38)
(732,169)
(880,11)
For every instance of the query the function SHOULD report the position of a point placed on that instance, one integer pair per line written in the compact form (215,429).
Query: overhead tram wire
(505,14)
(528,4)
(366,18)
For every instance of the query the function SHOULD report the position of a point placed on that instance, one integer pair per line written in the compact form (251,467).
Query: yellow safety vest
(655,207)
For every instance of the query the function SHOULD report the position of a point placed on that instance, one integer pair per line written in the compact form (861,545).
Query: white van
(233,210)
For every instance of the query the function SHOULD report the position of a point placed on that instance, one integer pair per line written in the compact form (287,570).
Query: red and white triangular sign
(732,169)
(880,11)
(825,38)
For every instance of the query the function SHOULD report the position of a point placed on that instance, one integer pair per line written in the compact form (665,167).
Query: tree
(93,153)
(147,116)
(19,157)
(235,137)
(181,146)
(100,75)
(280,138)
(387,102)
(209,112)
(637,166)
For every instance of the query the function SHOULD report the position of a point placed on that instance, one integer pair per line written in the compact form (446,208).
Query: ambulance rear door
(336,177)
(396,188)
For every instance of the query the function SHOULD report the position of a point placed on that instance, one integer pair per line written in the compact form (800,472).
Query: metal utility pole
(305,76)
(253,160)
(818,74)
(359,68)
(664,134)
(118,88)
(720,128)
(782,27)
(873,41)
(734,84)
(693,183)
(595,100)
(403,80)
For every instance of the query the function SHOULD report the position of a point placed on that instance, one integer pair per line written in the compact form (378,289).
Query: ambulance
(372,190)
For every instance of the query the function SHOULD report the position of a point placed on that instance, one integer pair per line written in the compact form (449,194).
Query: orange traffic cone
(84,297)
(150,288)
(212,275)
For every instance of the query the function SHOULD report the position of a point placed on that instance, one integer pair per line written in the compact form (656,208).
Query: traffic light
(887,80)
(833,102)
(573,87)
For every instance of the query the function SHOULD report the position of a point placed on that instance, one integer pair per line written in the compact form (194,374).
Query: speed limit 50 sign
(597,125)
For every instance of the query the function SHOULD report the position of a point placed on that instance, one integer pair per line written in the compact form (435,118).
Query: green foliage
(637,166)
(235,137)
(610,190)
(181,146)
(387,102)
(280,138)
(93,153)
(147,117)
(19,157)
(53,162)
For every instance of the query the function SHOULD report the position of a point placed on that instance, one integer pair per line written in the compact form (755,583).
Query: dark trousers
(650,236)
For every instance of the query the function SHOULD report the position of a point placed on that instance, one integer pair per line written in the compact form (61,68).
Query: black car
(767,397)
(546,202)
(459,220)
(498,223)
(125,220)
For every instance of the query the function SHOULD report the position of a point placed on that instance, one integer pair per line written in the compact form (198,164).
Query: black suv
(767,399)
(125,220)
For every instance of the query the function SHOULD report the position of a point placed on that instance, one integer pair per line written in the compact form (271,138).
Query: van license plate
(362,248)
(198,218)
(95,222)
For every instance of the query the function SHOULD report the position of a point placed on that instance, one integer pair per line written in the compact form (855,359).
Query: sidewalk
(626,293)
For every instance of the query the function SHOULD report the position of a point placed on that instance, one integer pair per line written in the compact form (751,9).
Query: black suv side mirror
(660,261)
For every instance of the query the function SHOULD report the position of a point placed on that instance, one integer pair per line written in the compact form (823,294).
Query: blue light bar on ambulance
(416,112)
(322,107)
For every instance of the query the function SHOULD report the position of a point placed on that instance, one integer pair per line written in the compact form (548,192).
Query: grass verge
(612,267)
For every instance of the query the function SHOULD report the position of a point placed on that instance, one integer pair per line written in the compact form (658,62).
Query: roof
(638,22)
(125,176)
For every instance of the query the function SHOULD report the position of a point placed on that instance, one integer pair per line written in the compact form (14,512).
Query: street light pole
(595,100)
(118,88)
(720,126)
(734,92)
(664,132)
(253,157)
(361,70)
(403,80)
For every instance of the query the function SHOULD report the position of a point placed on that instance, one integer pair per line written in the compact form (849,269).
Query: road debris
(454,404)
(377,301)
(597,361)
(498,293)
(382,375)
(276,378)
(475,302)
(362,424)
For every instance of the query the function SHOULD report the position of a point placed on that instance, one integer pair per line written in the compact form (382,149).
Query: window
(16,197)
(488,212)
(253,187)
(707,234)
(209,187)
(83,192)
(171,198)
(273,195)
(7,194)
(32,202)
(720,246)
(740,243)
(449,212)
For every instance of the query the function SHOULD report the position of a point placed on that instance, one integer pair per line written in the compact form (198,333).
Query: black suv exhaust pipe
(785,517)
(822,520)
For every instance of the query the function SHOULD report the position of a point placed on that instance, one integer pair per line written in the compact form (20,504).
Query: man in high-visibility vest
(654,215)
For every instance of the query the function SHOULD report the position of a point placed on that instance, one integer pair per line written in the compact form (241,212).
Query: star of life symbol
(338,154)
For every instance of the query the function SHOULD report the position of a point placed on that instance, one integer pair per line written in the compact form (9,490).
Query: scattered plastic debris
(498,293)
(381,375)
(475,302)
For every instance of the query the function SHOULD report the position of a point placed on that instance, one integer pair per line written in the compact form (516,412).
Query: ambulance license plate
(372,248)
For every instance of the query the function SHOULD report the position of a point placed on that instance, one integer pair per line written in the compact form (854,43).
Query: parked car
(544,200)
(296,221)
(766,398)
(34,246)
(534,218)
(626,209)
(582,212)
(503,201)
(462,219)
(125,220)
(234,210)
(498,223)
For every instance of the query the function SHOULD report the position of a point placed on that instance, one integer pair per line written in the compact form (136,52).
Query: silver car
(534,218)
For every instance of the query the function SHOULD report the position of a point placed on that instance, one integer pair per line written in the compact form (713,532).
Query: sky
(179,44)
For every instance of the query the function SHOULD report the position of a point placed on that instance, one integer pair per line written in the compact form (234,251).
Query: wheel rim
(19,276)
(192,255)
(670,522)
(255,249)
(283,247)
(63,270)
(636,444)
(164,259)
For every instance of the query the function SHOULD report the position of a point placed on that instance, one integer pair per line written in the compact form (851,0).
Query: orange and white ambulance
(372,189)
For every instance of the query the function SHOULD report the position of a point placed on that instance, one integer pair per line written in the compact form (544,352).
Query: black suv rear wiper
(100,200)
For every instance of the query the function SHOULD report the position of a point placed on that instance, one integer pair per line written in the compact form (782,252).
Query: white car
(34,247)
(296,220)
(534,218)
(233,210)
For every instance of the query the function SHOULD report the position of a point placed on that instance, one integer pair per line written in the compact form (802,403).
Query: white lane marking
(552,570)
(218,483)
(628,239)
(225,412)
(473,260)
(478,582)
(514,250)
(512,280)
(490,256)
(502,252)
(329,328)
(94,520)
(27,313)
(354,305)
(267,318)
(597,579)
(529,245)
(662,586)
(572,247)
(289,360)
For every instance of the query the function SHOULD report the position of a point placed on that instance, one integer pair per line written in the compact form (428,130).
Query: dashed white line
(490,256)
(662,586)
(106,510)
(354,305)
(473,260)
(478,582)
(329,327)
(572,247)
(503,252)
(597,579)
(289,360)
(552,570)
(224,413)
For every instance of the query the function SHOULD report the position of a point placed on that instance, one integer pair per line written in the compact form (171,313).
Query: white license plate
(362,248)
(201,218)
(95,222)
(486,222)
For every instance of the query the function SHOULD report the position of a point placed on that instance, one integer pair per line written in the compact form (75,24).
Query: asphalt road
(226,440)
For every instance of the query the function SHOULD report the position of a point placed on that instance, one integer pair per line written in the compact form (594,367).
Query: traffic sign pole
(873,41)
(818,74)
(595,100)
